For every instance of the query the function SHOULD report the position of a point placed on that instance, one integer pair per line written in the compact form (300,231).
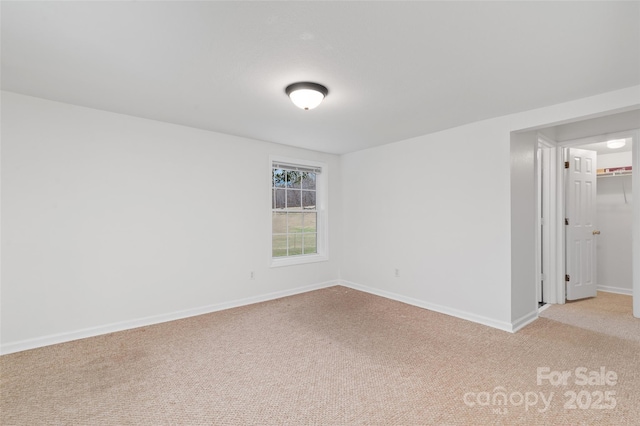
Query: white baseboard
(544,307)
(53,339)
(500,325)
(617,290)
(524,320)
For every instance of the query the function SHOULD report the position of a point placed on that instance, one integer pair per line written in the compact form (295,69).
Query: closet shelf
(614,171)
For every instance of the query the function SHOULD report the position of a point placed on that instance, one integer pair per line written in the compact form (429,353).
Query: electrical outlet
(397,272)
(252,275)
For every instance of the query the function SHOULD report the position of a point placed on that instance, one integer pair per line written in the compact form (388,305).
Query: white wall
(432,208)
(615,217)
(441,209)
(614,242)
(524,298)
(111,221)
(615,159)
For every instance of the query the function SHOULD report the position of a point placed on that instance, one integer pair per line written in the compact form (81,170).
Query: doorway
(614,215)
(614,247)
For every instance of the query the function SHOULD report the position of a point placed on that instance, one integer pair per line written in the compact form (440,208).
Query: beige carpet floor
(335,357)
(607,313)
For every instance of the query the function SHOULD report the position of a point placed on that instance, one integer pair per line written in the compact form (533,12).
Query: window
(297,217)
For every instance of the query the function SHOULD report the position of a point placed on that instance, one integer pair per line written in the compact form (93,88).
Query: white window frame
(322,222)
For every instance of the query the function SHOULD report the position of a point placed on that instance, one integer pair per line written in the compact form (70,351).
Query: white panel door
(580,230)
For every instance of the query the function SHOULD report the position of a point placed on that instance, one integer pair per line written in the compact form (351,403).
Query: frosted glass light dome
(616,143)
(306,95)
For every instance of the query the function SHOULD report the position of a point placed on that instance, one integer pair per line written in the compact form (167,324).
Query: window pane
(295,222)
(279,223)
(295,244)
(293,178)
(309,222)
(293,199)
(309,200)
(310,243)
(294,217)
(308,181)
(278,199)
(279,246)
(279,178)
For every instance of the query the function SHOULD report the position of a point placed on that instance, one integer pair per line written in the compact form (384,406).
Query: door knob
(596,232)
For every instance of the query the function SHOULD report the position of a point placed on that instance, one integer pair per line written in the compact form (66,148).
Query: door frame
(555,289)
(547,222)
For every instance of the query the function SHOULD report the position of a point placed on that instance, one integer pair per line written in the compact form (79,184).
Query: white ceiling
(602,149)
(394,69)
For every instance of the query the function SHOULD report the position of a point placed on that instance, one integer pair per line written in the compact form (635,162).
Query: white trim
(277,262)
(297,166)
(523,321)
(560,284)
(53,339)
(500,325)
(544,307)
(617,290)
(553,222)
(635,225)
(541,218)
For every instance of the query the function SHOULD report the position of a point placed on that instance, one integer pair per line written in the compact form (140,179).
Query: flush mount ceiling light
(306,95)
(616,143)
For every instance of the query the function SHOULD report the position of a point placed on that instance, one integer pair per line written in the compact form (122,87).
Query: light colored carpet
(329,357)
(607,313)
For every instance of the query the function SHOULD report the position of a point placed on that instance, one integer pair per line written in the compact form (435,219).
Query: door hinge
(567,278)
(566,164)
(566,220)
(543,277)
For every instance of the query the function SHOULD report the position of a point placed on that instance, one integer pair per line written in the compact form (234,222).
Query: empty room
(319,213)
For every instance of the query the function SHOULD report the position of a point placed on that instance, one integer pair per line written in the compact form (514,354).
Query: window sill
(297,260)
